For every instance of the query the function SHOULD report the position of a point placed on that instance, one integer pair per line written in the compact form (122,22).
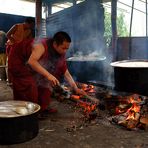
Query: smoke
(85,24)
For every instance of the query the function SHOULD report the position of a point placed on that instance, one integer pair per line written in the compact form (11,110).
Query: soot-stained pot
(131,76)
(18,121)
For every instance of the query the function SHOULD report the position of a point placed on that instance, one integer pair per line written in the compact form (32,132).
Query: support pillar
(38,17)
(114,28)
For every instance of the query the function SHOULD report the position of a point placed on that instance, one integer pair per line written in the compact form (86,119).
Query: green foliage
(121,27)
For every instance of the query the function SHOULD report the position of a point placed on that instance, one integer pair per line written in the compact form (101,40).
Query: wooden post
(146,20)
(38,17)
(130,32)
(114,28)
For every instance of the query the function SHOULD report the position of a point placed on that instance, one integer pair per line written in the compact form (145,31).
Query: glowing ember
(88,107)
(83,102)
(88,88)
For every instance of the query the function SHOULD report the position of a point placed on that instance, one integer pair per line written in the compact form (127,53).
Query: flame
(134,99)
(135,106)
(133,110)
(87,106)
(118,111)
(131,115)
(88,88)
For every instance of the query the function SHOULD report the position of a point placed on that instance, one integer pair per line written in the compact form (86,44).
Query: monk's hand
(53,80)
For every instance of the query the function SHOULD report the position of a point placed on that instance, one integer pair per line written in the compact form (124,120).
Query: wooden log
(144,120)
(131,124)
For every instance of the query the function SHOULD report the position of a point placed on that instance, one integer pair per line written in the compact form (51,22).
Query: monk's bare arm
(37,51)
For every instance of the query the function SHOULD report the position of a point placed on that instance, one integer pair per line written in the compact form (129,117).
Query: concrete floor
(66,129)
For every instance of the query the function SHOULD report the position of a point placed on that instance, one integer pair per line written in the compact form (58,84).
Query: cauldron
(86,68)
(131,76)
(18,121)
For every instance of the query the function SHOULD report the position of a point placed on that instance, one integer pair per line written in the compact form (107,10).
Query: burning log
(89,107)
(86,102)
(144,123)
(75,97)
(131,124)
(144,120)
(123,108)
(83,102)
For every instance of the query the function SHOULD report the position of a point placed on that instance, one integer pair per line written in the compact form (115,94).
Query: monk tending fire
(35,67)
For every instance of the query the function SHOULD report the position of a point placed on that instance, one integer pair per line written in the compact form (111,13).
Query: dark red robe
(27,84)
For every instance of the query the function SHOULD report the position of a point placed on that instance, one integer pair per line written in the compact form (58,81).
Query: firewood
(123,123)
(137,116)
(75,97)
(125,106)
(132,124)
(144,120)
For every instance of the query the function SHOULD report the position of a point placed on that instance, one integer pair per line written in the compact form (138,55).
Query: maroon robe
(27,84)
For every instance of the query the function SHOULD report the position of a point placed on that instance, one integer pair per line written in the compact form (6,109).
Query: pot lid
(17,108)
(131,64)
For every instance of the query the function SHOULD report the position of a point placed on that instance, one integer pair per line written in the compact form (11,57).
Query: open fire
(132,113)
(129,111)
(83,101)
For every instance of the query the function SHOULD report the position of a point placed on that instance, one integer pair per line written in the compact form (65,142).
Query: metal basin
(18,121)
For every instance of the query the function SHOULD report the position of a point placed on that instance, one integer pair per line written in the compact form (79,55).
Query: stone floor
(66,130)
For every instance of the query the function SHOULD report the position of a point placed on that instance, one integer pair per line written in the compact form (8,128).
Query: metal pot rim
(8,108)
(86,58)
(124,63)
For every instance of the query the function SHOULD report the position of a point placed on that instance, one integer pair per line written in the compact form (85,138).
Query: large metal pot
(18,121)
(86,68)
(131,76)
